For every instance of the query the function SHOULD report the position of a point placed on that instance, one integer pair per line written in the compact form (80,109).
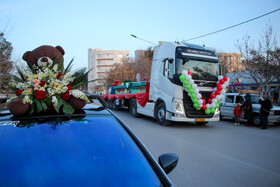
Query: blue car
(91,147)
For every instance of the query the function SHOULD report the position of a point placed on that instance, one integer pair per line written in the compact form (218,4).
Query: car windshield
(93,151)
(200,69)
(255,99)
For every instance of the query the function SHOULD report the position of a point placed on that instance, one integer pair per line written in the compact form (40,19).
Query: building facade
(101,62)
(231,62)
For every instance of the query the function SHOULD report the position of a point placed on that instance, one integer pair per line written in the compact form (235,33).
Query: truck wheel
(133,109)
(221,117)
(257,120)
(161,115)
(114,105)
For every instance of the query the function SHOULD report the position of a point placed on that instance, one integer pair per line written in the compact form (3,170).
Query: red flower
(42,83)
(40,95)
(18,92)
(59,75)
(69,88)
(65,96)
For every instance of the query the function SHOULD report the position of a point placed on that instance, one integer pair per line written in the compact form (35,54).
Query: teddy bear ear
(60,49)
(26,55)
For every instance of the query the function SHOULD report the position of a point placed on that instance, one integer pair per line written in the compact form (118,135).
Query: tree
(260,63)
(143,62)
(6,64)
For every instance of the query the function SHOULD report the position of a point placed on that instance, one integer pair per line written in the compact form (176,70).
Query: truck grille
(190,111)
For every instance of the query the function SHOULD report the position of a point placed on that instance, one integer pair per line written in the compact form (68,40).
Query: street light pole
(142,39)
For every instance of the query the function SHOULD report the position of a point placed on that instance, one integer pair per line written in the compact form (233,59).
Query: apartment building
(231,62)
(101,61)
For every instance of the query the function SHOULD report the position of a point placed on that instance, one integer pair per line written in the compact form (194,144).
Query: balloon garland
(198,102)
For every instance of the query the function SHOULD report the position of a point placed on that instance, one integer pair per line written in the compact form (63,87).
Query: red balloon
(204,107)
(203,101)
(225,79)
(114,84)
(217,92)
(218,84)
(212,96)
(209,100)
(222,81)
(190,73)
(219,88)
(117,81)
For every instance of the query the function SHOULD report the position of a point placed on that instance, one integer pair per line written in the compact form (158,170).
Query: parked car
(91,147)
(230,101)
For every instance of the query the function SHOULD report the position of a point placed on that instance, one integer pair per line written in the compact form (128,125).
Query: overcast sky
(80,25)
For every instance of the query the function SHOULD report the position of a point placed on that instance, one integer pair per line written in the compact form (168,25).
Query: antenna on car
(142,39)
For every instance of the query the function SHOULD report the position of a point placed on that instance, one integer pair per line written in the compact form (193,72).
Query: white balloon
(200,101)
(194,86)
(220,77)
(185,73)
(215,89)
(218,97)
(214,101)
(200,105)
(224,86)
(226,83)
(213,105)
(208,105)
(196,91)
(189,94)
(188,77)
(198,96)
(191,82)
(222,96)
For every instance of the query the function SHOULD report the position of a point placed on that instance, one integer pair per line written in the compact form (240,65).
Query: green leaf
(44,106)
(21,74)
(67,108)
(60,102)
(31,109)
(38,105)
(69,67)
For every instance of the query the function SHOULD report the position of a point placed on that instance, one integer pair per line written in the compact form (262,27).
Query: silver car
(230,101)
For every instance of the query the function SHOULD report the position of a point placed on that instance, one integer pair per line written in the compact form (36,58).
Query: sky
(108,24)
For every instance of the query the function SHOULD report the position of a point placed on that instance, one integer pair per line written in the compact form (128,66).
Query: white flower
(54,101)
(26,100)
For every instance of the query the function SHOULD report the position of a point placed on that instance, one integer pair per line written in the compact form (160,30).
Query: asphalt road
(218,154)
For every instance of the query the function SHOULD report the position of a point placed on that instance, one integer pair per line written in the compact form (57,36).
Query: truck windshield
(199,68)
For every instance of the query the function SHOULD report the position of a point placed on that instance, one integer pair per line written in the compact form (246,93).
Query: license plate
(200,120)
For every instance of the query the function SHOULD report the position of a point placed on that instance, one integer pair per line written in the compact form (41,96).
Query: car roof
(90,147)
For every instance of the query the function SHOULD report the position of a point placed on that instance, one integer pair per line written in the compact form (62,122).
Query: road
(218,154)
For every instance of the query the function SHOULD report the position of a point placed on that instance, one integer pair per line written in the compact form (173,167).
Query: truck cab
(168,99)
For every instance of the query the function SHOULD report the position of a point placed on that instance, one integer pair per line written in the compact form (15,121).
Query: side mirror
(168,161)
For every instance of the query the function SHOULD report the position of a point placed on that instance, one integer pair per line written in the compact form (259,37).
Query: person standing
(266,106)
(275,96)
(237,114)
(247,107)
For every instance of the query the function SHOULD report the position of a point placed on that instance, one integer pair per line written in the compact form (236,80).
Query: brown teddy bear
(45,54)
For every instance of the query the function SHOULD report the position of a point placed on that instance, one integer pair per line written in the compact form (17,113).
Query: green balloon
(195,105)
(188,86)
(191,91)
(218,101)
(193,96)
(182,77)
(194,100)
(186,82)
(212,110)
(198,108)
(207,111)
(217,105)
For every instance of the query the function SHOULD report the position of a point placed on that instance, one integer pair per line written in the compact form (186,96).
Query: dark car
(91,147)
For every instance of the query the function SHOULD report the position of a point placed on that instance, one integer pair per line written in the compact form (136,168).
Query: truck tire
(114,105)
(257,120)
(133,109)
(161,115)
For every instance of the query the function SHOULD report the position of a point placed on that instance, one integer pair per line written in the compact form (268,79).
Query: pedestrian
(247,108)
(237,114)
(266,106)
(275,96)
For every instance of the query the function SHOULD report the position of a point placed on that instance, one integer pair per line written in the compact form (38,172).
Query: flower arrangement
(46,88)
(199,102)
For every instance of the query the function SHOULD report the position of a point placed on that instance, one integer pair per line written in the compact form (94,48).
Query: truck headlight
(178,107)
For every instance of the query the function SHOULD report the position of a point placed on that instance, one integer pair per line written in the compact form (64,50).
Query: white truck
(168,99)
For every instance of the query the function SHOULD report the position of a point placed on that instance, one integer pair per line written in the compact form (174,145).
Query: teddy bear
(45,54)
(45,57)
